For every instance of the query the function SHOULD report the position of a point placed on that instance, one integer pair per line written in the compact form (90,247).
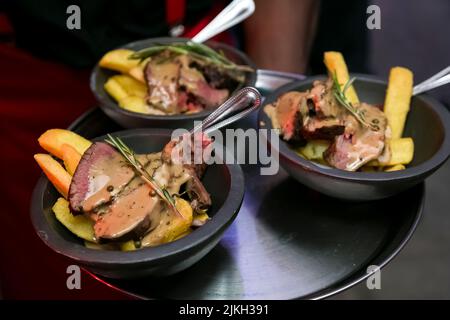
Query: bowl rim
(149,255)
(410,172)
(113,106)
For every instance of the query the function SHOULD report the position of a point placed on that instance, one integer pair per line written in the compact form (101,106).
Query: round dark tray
(287,242)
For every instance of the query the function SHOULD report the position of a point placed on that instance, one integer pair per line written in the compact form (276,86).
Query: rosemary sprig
(339,94)
(130,156)
(196,50)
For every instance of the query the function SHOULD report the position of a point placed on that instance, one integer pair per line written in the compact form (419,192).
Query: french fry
(314,149)
(335,64)
(80,225)
(131,86)
(134,104)
(118,60)
(138,72)
(128,246)
(398,98)
(115,90)
(397,167)
(57,175)
(401,152)
(52,141)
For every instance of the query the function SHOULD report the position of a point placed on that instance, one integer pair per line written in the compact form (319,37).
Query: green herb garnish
(196,50)
(130,156)
(339,94)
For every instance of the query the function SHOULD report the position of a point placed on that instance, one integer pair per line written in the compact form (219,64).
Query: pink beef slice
(193,81)
(107,190)
(101,174)
(358,145)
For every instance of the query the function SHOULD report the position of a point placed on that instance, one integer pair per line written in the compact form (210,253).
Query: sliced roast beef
(130,215)
(289,117)
(359,144)
(107,190)
(193,81)
(162,81)
(100,175)
(216,78)
(321,129)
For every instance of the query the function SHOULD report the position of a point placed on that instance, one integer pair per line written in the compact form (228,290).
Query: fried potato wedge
(71,158)
(314,150)
(138,72)
(164,232)
(398,99)
(401,152)
(134,104)
(118,60)
(114,89)
(52,141)
(335,63)
(79,225)
(397,167)
(131,86)
(55,172)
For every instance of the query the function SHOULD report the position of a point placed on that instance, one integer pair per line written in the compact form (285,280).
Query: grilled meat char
(303,116)
(122,205)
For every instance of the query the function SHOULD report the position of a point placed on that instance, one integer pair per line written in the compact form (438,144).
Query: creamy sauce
(163,80)
(122,204)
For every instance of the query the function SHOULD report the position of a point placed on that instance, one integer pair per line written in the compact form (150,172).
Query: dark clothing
(341,27)
(105,24)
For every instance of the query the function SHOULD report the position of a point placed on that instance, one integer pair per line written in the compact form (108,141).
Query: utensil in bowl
(164,259)
(428,123)
(129,119)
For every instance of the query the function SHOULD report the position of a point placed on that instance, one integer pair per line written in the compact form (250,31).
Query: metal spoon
(439,79)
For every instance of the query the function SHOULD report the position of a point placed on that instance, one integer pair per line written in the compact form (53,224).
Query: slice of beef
(218,79)
(322,129)
(131,215)
(100,175)
(289,117)
(193,81)
(359,144)
(321,102)
(107,190)
(162,81)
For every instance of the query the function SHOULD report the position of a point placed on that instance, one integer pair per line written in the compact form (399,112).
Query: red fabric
(175,11)
(37,95)
(34,96)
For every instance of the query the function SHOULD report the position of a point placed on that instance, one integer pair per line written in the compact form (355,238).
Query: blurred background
(44,71)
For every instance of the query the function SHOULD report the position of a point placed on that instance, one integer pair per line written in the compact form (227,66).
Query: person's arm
(279,34)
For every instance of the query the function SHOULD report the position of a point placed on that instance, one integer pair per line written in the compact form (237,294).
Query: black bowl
(161,260)
(129,119)
(428,123)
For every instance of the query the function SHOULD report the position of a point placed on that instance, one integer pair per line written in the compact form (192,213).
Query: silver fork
(238,106)
(439,79)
